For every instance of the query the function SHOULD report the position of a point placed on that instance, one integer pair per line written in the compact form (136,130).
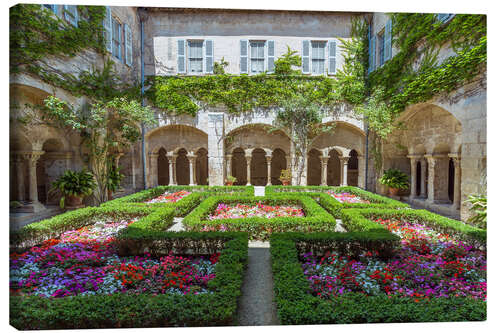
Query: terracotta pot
(228,183)
(285,182)
(73,201)
(110,194)
(393,191)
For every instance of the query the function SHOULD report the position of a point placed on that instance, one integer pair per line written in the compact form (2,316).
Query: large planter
(74,201)
(393,191)
(285,182)
(228,183)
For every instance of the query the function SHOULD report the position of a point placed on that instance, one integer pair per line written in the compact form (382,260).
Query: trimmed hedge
(297,306)
(334,206)
(35,233)
(146,310)
(315,219)
(361,220)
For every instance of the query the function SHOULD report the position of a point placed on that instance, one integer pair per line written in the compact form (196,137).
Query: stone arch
(182,167)
(258,167)
(343,138)
(314,167)
(334,168)
(163,167)
(352,168)
(252,136)
(201,166)
(239,166)
(278,163)
(50,166)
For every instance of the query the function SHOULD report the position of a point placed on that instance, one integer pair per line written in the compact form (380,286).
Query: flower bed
(346,197)
(168,197)
(237,211)
(428,264)
(84,262)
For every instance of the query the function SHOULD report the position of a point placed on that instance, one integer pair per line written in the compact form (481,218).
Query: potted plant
(286,177)
(230,180)
(395,179)
(114,180)
(74,185)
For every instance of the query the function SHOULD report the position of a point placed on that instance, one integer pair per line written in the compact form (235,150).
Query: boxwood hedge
(315,219)
(297,306)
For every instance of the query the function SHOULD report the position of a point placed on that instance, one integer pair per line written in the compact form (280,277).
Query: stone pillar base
(32,207)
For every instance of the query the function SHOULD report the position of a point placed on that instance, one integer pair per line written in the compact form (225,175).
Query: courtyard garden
(338,255)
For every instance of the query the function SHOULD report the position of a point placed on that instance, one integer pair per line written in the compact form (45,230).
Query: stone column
(174,170)
(324,169)
(361,172)
(413,178)
(171,163)
(153,167)
(117,159)
(249,164)
(423,170)
(19,165)
(268,160)
(215,131)
(32,157)
(192,160)
(431,161)
(343,163)
(229,158)
(457,181)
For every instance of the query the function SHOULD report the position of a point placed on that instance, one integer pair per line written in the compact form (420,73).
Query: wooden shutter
(374,52)
(209,56)
(332,55)
(270,56)
(243,56)
(128,45)
(120,41)
(306,64)
(388,41)
(370,49)
(444,17)
(181,56)
(71,14)
(108,37)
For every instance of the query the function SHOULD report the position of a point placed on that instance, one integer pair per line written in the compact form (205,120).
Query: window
(71,14)
(195,56)
(443,18)
(117,39)
(51,7)
(381,45)
(257,57)
(318,57)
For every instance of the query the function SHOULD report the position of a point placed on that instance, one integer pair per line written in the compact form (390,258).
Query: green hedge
(332,205)
(360,220)
(146,310)
(315,219)
(297,306)
(35,233)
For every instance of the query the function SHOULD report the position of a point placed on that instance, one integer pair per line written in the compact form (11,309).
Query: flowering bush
(428,264)
(85,262)
(347,197)
(237,211)
(169,197)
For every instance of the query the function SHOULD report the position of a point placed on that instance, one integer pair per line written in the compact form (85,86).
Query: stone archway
(258,167)
(239,166)
(334,169)
(163,167)
(314,167)
(49,167)
(278,163)
(202,166)
(352,168)
(182,167)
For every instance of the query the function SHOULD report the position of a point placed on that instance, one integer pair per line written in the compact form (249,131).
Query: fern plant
(478,207)
(74,183)
(394,178)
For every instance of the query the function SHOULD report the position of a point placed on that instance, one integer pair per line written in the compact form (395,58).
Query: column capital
(414,156)
(32,156)
(455,156)
(248,157)
(344,159)
(191,157)
(60,155)
(269,158)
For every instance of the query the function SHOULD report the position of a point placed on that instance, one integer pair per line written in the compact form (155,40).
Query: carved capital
(32,156)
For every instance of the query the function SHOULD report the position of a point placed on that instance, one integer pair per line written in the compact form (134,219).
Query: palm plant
(394,178)
(76,184)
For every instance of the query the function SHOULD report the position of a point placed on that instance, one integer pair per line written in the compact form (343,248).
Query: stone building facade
(444,137)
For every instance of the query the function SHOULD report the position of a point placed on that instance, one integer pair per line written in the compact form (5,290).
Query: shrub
(478,208)
(394,178)
(74,183)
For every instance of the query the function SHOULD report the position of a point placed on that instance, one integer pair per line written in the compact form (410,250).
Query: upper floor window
(51,7)
(257,59)
(444,17)
(381,47)
(318,57)
(195,56)
(117,38)
(199,59)
(71,14)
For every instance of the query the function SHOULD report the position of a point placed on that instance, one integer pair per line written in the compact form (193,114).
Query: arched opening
(352,168)
(278,163)
(451,179)
(182,167)
(333,171)
(202,166)
(49,167)
(163,169)
(419,178)
(313,167)
(258,167)
(239,166)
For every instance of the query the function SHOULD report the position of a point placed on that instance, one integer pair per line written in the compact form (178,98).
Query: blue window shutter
(120,40)
(388,41)
(444,17)
(243,56)
(108,30)
(209,56)
(128,45)
(71,14)
(270,56)
(374,52)
(332,57)
(181,56)
(306,56)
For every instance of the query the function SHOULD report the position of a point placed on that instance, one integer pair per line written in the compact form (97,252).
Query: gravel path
(177,225)
(256,306)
